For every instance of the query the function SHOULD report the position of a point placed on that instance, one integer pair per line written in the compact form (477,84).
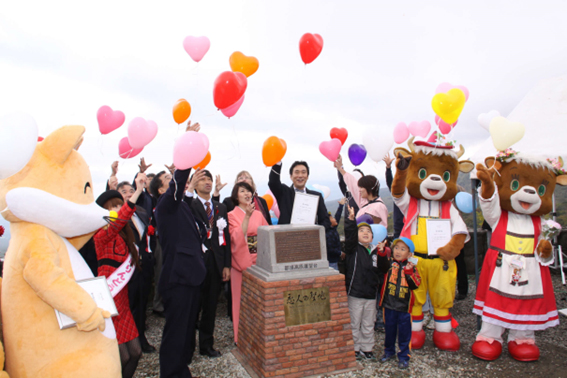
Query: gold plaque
(307,306)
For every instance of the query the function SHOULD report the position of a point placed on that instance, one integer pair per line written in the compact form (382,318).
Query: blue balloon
(463,201)
(274,221)
(380,233)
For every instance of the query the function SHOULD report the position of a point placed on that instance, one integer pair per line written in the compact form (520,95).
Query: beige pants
(362,317)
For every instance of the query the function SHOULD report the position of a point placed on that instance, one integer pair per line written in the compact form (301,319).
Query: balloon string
(493,166)
(237,141)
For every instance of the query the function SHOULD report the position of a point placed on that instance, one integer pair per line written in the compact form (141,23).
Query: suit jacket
(265,212)
(142,240)
(285,196)
(180,237)
(221,253)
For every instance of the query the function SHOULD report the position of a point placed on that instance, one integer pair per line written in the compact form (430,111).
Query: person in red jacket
(114,246)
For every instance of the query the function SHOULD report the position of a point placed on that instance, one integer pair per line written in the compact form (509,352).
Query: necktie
(209,213)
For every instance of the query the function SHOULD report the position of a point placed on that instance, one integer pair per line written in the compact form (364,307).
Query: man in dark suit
(212,216)
(183,272)
(285,195)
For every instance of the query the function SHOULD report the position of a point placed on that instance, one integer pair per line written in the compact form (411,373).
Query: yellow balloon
(448,106)
(113,215)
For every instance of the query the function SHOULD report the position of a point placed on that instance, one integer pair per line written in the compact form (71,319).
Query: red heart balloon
(310,46)
(229,88)
(340,134)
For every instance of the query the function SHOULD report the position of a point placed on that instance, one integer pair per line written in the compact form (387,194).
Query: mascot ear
(405,153)
(466,166)
(58,145)
(561,180)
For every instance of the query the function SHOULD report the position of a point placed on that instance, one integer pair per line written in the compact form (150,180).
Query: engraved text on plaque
(295,246)
(307,306)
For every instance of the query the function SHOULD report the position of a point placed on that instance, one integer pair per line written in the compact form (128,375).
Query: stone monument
(294,318)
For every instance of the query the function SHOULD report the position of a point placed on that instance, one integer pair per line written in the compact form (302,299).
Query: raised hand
(143,166)
(193,127)
(250,209)
(170,168)
(218,186)
(486,178)
(402,163)
(343,200)
(114,168)
(388,160)
(112,182)
(197,176)
(339,162)
(350,213)
(140,181)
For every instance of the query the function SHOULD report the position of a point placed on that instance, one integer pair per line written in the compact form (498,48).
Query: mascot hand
(485,176)
(402,163)
(453,248)
(544,249)
(95,321)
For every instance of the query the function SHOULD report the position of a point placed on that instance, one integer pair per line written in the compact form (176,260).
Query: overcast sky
(380,65)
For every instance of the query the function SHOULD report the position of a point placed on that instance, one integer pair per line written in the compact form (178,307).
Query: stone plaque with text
(295,246)
(307,306)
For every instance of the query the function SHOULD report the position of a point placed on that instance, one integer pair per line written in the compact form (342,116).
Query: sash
(120,277)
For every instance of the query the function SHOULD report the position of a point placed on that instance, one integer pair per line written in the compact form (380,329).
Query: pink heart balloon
(401,133)
(232,109)
(196,47)
(444,88)
(331,149)
(108,119)
(141,132)
(420,129)
(190,149)
(125,150)
(444,127)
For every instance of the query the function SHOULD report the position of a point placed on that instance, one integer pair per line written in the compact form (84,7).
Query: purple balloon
(364,218)
(356,154)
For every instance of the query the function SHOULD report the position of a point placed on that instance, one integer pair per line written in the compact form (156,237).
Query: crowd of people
(187,246)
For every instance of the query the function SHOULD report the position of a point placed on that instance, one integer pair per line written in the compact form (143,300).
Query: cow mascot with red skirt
(515,290)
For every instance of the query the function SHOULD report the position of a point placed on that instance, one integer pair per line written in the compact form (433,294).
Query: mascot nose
(435,178)
(529,191)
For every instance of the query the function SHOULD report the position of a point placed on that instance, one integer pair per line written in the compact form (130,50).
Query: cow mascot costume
(424,187)
(515,289)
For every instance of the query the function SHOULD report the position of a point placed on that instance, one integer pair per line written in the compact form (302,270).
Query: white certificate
(97,288)
(304,208)
(438,234)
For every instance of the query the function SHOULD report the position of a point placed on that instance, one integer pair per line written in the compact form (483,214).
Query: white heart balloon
(325,190)
(18,142)
(485,118)
(505,133)
(377,143)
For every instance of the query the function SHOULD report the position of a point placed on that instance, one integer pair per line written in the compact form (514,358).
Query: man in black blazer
(285,195)
(182,274)
(212,216)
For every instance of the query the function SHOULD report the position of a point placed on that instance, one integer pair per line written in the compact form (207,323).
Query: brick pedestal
(270,349)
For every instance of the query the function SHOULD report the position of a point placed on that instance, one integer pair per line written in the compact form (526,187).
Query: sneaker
(403,364)
(386,357)
(359,356)
(368,355)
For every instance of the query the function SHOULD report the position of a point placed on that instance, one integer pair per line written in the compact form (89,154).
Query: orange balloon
(273,151)
(181,111)
(269,200)
(204,162)
(242,63)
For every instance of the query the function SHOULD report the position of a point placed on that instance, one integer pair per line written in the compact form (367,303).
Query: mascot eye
(541,190)
(446,176)
(422,173)
(515,185)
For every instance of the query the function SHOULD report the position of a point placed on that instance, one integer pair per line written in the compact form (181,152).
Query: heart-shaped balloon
(181,111)
(401,133)
(125,151)
(324,190)
(339,133)
(377,143)
(485,118)
(239,62)
(505,133)
(204,162)
(141,132)
(232,109)
(310,46)
(448,106)
(196,47)
(444,127)
(356,154)
(419,129)
(269,200)
(273,151)
(229,87)
(18,142)
(445,87)
(108,119)
(190,149)
(331,149)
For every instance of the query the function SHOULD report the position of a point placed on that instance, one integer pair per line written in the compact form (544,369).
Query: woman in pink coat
(243,222)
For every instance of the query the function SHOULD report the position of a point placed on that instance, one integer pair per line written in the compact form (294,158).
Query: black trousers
(139,289)
(181,308)
(210,290)
(462,277)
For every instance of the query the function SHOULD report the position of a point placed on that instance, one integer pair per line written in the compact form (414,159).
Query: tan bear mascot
(423,188)
(515,290)
(51,208)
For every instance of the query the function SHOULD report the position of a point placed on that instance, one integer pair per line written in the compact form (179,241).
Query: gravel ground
(427,362)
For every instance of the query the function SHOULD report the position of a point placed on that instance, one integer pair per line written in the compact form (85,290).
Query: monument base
(270,348)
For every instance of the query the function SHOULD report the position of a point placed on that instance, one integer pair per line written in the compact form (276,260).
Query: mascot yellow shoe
(50,205)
